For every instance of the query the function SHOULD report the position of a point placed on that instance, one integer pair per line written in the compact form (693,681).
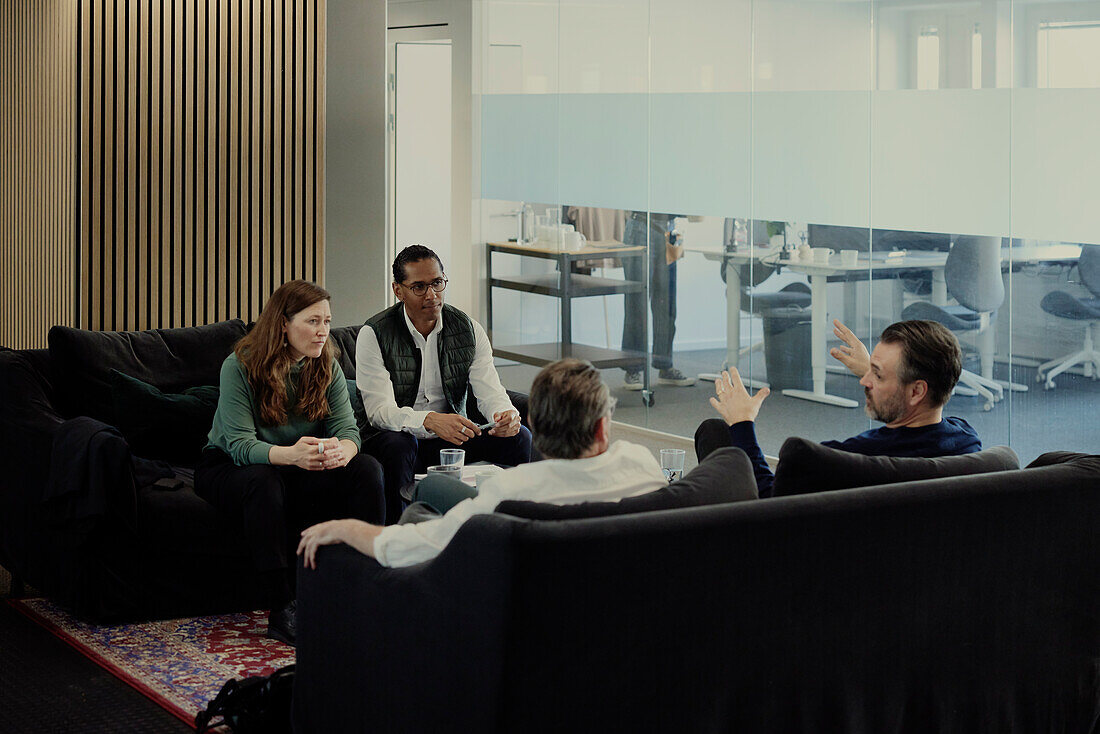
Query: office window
(752,128)
(928,58)
(1068,55)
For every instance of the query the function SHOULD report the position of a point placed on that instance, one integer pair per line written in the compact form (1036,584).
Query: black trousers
(402,455)
(711,434)
(273,504)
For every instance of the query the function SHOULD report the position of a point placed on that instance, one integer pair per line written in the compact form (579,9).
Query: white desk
(819,274)
(733,262)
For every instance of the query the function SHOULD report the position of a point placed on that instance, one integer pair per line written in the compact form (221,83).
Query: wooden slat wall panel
(39,99)
(200,158)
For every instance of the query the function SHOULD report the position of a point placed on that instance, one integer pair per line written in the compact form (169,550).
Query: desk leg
(566,307)
(733,326)
(820,310)
(733,320)
(733,314)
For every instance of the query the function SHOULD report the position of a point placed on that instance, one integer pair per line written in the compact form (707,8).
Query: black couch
(80,518)
(958,604)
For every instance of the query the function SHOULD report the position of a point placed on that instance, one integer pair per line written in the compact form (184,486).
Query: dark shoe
(633,380)
(282,624)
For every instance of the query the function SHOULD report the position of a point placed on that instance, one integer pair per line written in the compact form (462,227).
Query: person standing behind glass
(283,452)
(661,259)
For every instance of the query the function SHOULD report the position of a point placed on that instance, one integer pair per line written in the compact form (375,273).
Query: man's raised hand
(732,400)
(853,354)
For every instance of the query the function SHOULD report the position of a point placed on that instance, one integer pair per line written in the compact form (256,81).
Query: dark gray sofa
(961,604)
(76,521)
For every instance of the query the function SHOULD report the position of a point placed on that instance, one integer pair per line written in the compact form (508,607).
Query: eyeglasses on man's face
(420,289)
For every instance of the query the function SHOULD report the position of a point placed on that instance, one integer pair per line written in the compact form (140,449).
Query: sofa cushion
(807,466)
(724,476)
(169,359)
(356,399)
(343,338)
(172,427)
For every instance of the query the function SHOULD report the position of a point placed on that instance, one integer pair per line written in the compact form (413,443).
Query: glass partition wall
(684,185)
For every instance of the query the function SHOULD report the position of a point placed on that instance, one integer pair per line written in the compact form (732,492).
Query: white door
(421,144)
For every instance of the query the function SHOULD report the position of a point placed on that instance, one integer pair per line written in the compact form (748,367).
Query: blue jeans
(662,290)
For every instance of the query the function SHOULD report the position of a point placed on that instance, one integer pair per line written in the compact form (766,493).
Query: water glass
(454,471)
(672,463)
(456,457)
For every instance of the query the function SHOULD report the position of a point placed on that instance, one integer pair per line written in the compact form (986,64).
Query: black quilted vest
(457,345)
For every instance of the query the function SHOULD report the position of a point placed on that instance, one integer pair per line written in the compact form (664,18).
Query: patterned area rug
(179,663)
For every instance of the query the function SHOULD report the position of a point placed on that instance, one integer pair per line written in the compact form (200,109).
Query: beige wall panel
(38,102)
(163,162)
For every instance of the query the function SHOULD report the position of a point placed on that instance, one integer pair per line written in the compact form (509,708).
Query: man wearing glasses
(415,365)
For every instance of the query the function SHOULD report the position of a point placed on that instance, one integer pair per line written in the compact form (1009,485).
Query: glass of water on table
(672,463)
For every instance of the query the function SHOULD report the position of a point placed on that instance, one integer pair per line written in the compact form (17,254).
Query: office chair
(1068,306)
(973,277)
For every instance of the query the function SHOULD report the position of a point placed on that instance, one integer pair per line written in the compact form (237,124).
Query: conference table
(884,263)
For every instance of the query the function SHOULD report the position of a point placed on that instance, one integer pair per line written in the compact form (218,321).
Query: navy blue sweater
(950,437)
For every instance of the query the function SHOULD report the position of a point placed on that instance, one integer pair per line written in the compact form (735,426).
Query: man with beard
(907,381)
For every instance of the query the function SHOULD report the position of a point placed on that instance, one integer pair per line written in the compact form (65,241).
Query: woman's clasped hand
(317,454)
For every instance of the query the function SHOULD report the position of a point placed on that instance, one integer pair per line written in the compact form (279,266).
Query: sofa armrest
(28,421)
(404,649)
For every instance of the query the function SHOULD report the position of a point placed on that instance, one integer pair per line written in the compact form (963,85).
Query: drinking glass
(456,457)
(672,464)
(448,470)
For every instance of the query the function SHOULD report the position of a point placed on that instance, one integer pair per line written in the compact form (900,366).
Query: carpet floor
(46,686)
(180,664)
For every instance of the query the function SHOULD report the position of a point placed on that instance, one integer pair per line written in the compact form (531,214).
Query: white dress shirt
(373,380)
(624,470)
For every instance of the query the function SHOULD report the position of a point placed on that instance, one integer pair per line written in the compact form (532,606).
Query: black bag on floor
(259,704)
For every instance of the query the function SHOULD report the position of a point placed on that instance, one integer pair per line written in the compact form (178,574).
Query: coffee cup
(822,254)
(485,474)
(849,258)
(574,241)
(805,253)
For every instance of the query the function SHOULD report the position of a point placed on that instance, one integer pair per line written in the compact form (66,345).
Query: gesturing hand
(854,354)
(451,427)
(733,401)
(507,424)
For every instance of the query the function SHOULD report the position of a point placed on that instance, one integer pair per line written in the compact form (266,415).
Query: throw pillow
(172,427)
(724,476)
(806,467)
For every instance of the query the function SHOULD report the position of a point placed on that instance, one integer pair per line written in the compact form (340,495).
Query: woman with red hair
(283,452)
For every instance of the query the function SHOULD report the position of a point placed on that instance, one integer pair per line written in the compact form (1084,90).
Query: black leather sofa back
(960,604)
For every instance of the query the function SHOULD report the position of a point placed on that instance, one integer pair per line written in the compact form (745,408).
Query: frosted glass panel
(700,146)
(1056,164)
(603,150)
(811,156)
(519,147)
(699,143)
(939,160)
